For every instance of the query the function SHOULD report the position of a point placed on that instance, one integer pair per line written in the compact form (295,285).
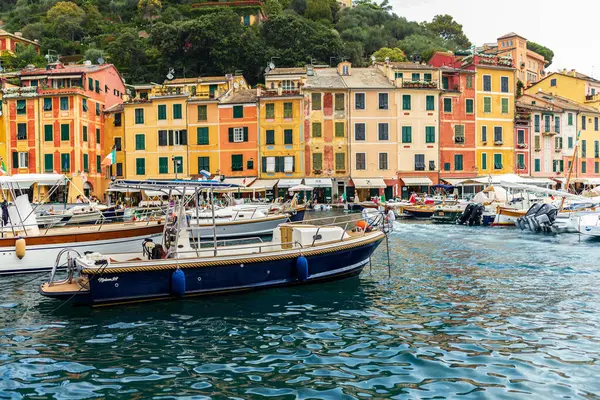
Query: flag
(344,196)
(2,167)
(111,158)
(382,198)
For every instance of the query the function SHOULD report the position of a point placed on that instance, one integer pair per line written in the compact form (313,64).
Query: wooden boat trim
(511,213)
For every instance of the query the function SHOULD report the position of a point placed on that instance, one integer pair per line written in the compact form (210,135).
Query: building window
(596,167)
(430,103)
(484,161)
(416,77)
(360,131)
(64,132)
(445,82)
(487,83)
(178,164)
(140,166)
(536,142)
(583,148)
(21,131)
(139,115)
(458,162)
(536,122)
(570,142)
(119,169)
(583,122)
(118,144)
(553,82)
(504,84)
(595,124)
(49,133)
(469,81)
(84,107)
(64,103)
(504,105)
(558,143)
(269,164)
(430,134)
(317,160)
(447,166)
(583,167)
(340,161)
(270,137)
(339,129)
(288,164)
(419,162)
(140,142)
(570,119)
(497,161)
(237,162)
(22,160)
(470,108)
(484,133)
(98,136)
(86,163)
(498,134)
(65,162)
(99,164)
(359,101)
(163,165)
(459,134)
(288,136)
(340,100)
(48,104)
(316,130)
(238,111)
(90,84)
(84,130)
(383,101)
(162,112)
(48,162)
(237,135)
(596,149)
(407,134)
(406,101)
(21,107)
(487,104)
(287,110)
(97,86)
(202,135)
(557,124)
(383,161)
(520,161)
(427,77)
(202,113)
(361,161)
(315,101)
(547,123)
(398,75)
(520,136)
(270,110)
(203,164)
(163,139)
(383,130)
(447,105)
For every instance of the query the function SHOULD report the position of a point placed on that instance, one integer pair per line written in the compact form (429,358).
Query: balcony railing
(420,84)
(592,97)
(280,92)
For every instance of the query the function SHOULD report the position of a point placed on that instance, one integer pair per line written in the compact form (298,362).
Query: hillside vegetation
(145,38)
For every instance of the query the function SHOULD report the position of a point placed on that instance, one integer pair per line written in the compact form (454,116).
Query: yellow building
(572,85)
(495,104)
(3,137)
(9,42)
(114,134)
(326,108)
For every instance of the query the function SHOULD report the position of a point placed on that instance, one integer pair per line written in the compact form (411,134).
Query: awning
(288,183)
(263,184)
(318,182)
(64,77)
(24,181)
(123,190)
(241,182)
(33,77)
(417,181)
(369,183)
(455,181)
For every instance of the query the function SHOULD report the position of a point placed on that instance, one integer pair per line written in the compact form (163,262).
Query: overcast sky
(566,27)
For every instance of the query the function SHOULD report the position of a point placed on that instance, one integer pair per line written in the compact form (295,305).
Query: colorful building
(571,85)
(9,42)
(56,122)
(281,141)
(373,133)
(326,105)
(114,134)
(238,134)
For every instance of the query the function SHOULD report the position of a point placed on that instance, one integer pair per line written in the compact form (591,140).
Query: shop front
(284,185)
(263,188)
(322,189)
(240,184)
(415,184)
(367,189)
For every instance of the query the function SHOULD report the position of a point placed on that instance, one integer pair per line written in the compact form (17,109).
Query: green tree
(421,45)
(394,55)
(318,10)
(66,17)
(93,54)
(542,50)
(448,29)
(149,9)
(272,7)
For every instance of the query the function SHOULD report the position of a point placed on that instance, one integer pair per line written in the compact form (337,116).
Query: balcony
(521,145)
(549,130)
(61,91)
(279,92)
(488,59)
(420,84)
(592,97)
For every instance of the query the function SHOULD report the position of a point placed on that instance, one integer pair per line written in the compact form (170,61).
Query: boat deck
(79,229)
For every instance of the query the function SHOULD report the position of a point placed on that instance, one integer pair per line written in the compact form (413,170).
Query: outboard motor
(527,221)
(475,217)
(147,248)
(545,217)
(158,253)
(464,217)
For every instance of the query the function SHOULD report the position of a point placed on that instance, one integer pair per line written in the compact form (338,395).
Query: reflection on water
(475,312)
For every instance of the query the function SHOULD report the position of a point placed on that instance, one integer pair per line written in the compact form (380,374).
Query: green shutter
(202,113)
(98,163)
(65,162)
(447,105)
(64,103)
(487,104)
(21,107)
(288,136)
(48,162)
(458,162)
(179,166)
(316,129)
(237,162)
(140,166)
(64,132)
(406,134)
(317,161)
(90,84)
(163,165)
(98,136)
(84,105)
(202,134)
(483,161)
(270,137)
(47,104)
(339,129)
(140,142)
(84,130)
(340,161)
(48,133)
(287,110)
(177,111)
(430,103)
(270,110)
(504,106)
(430,134)
(203,164)
(497,161)
(406,101)
(86,163)
(238,111)
(139,115)
(470,108)
(162,112)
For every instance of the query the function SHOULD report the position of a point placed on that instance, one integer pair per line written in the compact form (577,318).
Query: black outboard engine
(539,218)
(476,215)
(464,217)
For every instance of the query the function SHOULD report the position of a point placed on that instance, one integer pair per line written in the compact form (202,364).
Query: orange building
(238,134)
(9,42)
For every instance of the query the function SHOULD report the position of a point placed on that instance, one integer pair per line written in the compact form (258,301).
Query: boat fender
(20,247)
(302,268)
(178,283)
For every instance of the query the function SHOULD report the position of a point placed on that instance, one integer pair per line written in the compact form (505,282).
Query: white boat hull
(237,229)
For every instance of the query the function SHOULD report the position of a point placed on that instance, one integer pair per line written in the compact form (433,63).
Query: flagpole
(562,202)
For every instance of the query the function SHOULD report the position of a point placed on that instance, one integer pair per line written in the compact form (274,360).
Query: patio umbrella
(301,188)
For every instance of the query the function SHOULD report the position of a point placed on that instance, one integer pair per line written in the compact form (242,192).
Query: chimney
(18,34)
(573,73)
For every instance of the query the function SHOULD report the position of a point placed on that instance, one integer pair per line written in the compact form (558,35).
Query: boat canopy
(162,188)
(25,181)
(549,192)
(369,183)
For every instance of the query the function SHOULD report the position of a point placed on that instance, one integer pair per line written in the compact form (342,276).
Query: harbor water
(469,313)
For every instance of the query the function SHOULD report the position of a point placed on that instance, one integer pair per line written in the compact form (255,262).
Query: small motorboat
(420,211)
(447,214)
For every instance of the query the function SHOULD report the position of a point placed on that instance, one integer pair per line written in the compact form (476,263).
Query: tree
(421,45)
(272,7)
(66,17)
(149,8)
(448,29)
(541,50)
(394,55)
(318,10)
(93,54)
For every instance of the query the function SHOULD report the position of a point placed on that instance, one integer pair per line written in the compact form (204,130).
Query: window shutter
(230,135)
(184,137)
(264,164)
(245,134)
(15,159)
(293,164)
(170,138)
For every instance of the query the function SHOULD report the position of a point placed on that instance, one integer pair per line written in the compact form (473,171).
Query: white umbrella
(301,188)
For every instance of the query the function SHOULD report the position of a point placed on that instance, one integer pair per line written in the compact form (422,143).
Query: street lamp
(176,164)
